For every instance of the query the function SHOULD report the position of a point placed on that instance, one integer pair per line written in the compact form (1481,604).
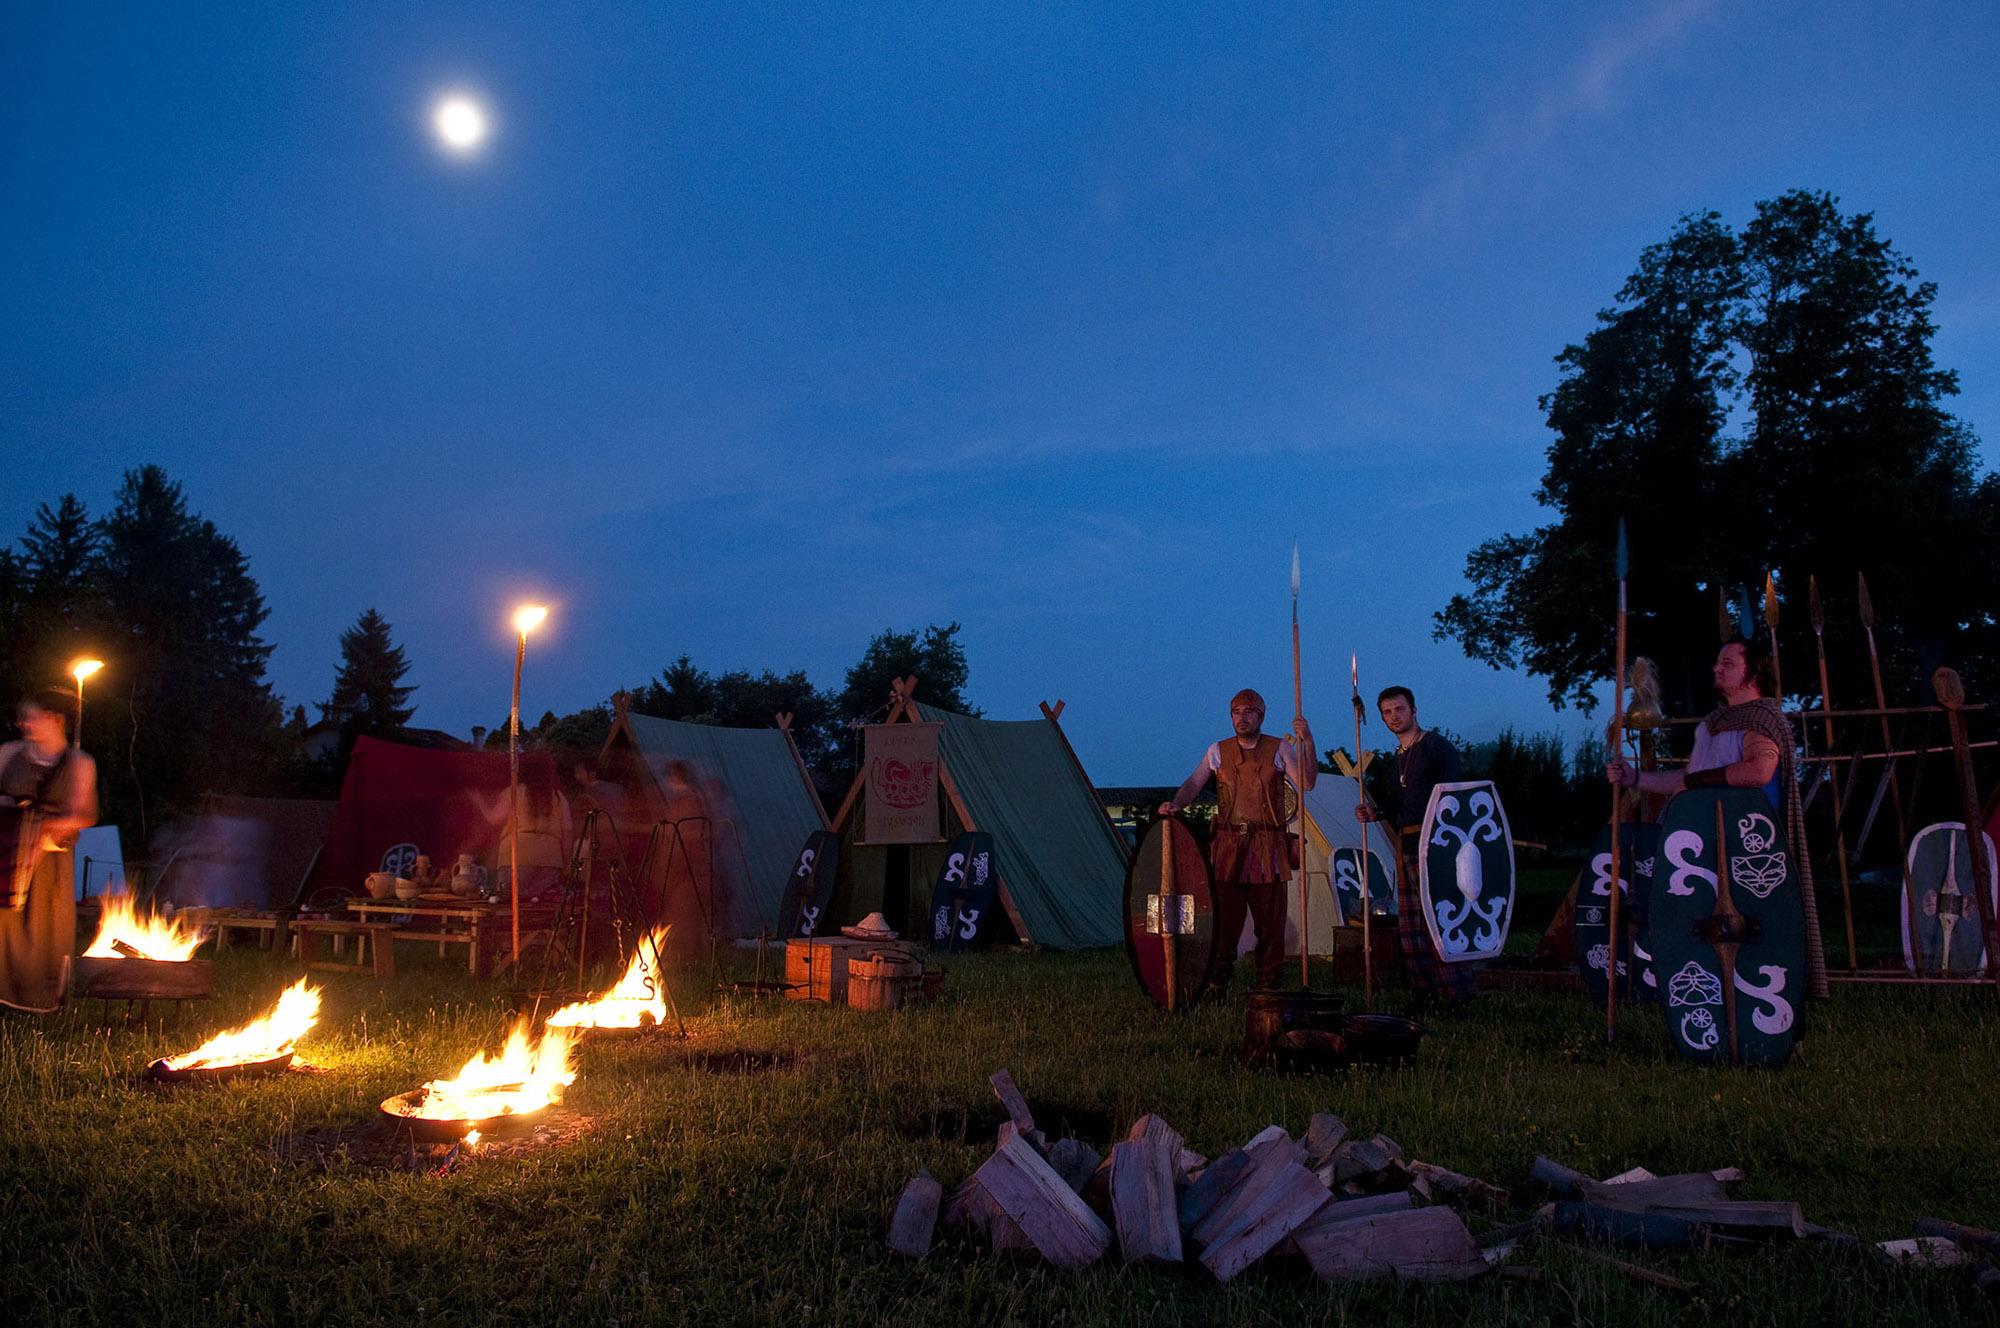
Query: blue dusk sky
(753,330)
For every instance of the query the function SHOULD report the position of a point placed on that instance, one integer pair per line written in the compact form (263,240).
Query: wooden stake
(1951,695)
(1839,832)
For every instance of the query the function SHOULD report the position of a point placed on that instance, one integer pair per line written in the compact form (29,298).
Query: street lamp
(80,670)
(526,619)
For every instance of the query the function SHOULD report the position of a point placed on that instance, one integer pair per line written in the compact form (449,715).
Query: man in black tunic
(1423,761)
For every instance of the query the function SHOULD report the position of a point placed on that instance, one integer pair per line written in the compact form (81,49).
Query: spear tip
(1812,600)
(1623,557)
(1867,605)
(1771,603)
(1295,567)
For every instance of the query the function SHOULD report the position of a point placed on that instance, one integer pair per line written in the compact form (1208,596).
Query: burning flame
(522,1078)
(259,1040)
(152,937)
(637,995)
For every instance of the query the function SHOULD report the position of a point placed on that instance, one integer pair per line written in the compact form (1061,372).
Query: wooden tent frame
(903,710)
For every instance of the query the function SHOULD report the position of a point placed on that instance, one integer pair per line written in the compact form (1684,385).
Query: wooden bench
(271,927)
(313,933)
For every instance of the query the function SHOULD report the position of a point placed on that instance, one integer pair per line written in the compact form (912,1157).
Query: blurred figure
(48,793)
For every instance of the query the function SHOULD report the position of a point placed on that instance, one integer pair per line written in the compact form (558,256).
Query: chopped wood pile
(1349,1209)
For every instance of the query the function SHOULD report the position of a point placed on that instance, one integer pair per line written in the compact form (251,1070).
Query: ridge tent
(1330,824)
(738,804)
(398,801)
(242,852)
(1061,864)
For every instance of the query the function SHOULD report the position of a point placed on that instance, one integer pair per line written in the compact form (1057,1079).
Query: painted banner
(902,765)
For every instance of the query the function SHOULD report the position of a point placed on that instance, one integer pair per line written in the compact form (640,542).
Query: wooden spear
(1833,779)
(1725,623)
(1771,625)
(1361,794)
(1951,695)
(1301,757)
(1170,916)
(1617,792)
(1867,606)
(1725,933)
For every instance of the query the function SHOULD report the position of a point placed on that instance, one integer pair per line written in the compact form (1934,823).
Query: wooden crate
(816,967)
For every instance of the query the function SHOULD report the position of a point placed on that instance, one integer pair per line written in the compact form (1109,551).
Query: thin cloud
(1518,137)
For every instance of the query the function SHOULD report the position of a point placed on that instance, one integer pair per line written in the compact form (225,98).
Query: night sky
(750,332)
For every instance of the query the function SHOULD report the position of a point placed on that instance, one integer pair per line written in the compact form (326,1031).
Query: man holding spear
(1251,855)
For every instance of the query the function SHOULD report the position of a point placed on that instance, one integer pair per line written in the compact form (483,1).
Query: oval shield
(1941,924)
(810,886)
(1465,874)
(1345,866)
(1171,931)
(964,893)
(1637,843)
(1728,928)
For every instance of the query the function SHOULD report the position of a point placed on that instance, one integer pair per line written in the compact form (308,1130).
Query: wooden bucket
(884,980)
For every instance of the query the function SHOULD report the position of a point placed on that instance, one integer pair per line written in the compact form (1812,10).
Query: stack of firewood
(1348,1208)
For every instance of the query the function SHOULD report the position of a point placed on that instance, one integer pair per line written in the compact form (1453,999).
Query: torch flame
(522,1078)
(152,937)
(259,1040)
(638,994)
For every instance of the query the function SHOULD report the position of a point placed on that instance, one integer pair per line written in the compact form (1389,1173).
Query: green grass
(705,1196)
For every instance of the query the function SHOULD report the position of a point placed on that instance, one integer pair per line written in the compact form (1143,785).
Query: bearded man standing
(1252,854)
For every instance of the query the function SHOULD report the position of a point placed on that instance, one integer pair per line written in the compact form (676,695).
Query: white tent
(1330,825)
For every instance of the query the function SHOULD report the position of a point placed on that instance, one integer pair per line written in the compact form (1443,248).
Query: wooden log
(1840,1240)
(1420,1245)
(1142,1202)
(1697,1187)
(1150,1127)
(1063,1229)
(1562,1182)
(1348,1210)
(1454,1185)
(141,979)
(1971,1238)
(1628,1229)
(1627,1177)
(1928,1252)
(1280,1199)
(1074,1160)
(1739,1217)
(1010,1098)
(1323,1134)
(1035,1138)
(1267,1163)
(916,1215)
(1361,1160)
(971,1209)
(1221,1176)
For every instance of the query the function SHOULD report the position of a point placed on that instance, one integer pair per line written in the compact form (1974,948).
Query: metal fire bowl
(404,1109)
(141,979)
(161,1072)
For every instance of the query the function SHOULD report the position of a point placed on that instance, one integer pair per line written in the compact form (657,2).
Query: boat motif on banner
(1944,936)
(1732,975)
(1346,865)
(1466,871)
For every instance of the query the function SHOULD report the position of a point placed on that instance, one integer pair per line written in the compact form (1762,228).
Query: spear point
(1867,604)
(1812,601)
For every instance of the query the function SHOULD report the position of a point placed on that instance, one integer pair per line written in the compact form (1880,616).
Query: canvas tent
(738,806)
(1330,824)
(246,852)
(1060,862)
(398,801)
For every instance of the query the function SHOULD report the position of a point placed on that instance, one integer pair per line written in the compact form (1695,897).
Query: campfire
(490,1095)
(638,998)
(124,933)
(261,1046)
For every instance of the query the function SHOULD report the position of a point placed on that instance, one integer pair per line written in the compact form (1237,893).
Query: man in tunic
(1746,742)
(1423,761)
(48,793)
(1251,854)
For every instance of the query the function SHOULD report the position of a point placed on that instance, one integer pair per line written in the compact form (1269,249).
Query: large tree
(369,696)
(934,655)
(1817,331)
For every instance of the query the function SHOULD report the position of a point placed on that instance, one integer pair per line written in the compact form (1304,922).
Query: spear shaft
(1361,794)
(1617,794)
(1301,756)
(1833,779)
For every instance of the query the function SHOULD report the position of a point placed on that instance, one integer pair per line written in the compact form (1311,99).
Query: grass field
(711,1187)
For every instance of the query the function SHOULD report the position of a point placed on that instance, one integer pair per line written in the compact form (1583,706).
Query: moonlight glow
(460,123)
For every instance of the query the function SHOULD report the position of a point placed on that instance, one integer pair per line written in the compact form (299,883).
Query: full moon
(460,123)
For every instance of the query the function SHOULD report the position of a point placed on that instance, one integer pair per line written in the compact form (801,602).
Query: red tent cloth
(398,801)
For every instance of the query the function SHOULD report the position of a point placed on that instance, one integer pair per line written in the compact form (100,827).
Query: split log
(1457,1186)
(1739,1217)
(1074,1160)
(1971,1238)
(915,1219)
(1629,1229)
(1266,1164)
(1280,1196)
(1342,1211)
(1035,1138)
(1420,1245)
(1694,1188)
(1150,1127)
(1362,1162)
(971,1209)
(1061,1226)
(1142,1201)
(1224,1174)
(1010,1098)
(1323,1134)
(1627,1177)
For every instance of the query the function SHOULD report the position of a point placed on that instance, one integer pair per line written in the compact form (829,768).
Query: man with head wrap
(1252,854)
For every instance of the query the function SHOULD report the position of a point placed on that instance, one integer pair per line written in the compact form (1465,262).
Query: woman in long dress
(48,793)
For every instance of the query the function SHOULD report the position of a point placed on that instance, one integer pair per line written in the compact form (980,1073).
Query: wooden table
(456,922)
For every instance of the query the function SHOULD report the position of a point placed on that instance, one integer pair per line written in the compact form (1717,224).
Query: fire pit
(489,1096)
(260,1047)
(636,1005)
(135,957)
